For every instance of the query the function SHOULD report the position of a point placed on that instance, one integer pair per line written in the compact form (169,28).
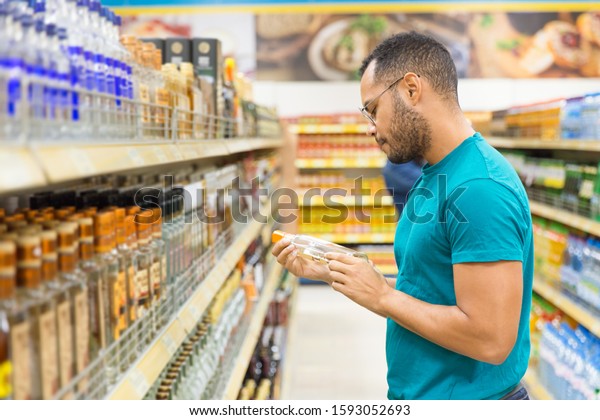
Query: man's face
(402,133)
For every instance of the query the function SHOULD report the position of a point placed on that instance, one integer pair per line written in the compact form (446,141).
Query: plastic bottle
(314,248)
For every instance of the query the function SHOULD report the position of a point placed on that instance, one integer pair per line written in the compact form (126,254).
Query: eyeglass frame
(363,109)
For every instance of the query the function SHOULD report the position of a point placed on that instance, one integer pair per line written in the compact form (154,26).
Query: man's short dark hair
(418,53)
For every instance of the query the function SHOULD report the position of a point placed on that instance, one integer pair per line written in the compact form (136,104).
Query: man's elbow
(495,352)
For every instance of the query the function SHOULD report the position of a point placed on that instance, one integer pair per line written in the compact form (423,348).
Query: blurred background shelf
(329,128)
(341,163)
(536,390)
(527,143)
(236,378)
(334,200)
(570,219)
(575,310)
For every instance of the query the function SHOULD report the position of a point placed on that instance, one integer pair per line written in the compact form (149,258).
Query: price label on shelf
(135,156)
(378,238)
(15,171)
(196,314)
(139,382)
(176,152)
(352,238)
(160,154)
(317,163)
(169,343)
(362,163)
(338,163)
(81,160)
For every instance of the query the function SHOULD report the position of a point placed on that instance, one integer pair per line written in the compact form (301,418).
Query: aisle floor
(337,349)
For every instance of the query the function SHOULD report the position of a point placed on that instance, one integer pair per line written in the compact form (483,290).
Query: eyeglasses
(363,109)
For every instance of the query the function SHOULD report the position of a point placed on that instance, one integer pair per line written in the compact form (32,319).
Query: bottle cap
(277,236)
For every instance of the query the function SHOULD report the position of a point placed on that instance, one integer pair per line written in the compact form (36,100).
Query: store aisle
(337,349)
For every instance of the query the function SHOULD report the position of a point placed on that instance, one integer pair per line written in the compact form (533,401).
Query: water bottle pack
(580,272)
(569,364)
(63,70)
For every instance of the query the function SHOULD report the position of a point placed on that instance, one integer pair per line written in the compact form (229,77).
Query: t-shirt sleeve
(485,222)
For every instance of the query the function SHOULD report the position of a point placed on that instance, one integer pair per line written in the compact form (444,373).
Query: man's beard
(409,134)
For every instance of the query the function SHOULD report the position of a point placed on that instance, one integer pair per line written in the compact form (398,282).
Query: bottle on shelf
(77,285)
(16,345)
(313,248)
(35,298)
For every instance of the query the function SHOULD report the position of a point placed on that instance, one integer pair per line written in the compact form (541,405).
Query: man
(457,315)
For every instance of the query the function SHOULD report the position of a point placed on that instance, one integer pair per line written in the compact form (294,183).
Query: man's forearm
(446,326)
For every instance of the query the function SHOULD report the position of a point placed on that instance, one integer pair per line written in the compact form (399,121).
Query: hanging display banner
(342,6)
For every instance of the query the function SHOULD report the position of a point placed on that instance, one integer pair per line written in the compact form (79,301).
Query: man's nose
(371,129)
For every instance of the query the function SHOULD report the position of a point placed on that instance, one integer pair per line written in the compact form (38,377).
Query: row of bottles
(67,73)
(73,284)
(197,367)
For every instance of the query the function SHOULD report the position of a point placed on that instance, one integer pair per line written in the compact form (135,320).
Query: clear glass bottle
(41,308)
(126,277)
(159,264)
(15,338)
(77,283)
(104,245)
(143,264)
(97,300)
(162,98)
(313,248)
(60,291)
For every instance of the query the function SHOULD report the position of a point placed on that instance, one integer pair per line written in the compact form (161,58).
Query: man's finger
(343,258)
(337,277)
(280,246)
(337,286)
(339,267)
(284,254)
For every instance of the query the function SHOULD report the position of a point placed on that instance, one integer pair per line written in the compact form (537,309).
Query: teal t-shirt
(469,207)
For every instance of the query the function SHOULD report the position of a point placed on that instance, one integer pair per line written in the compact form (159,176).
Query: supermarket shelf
(580,314)
(44,163)
(329,128)
(337,200)
(525,143)
(356,238)
(341,163)
(246,145)
(234,383)
(148,367)
(570,219)
(19,169)
(536,390)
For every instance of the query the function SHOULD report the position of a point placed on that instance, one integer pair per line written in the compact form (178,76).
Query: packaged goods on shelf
(68,73)
(569,362)
(571,186)
(338,179)
(103,276)
(563,119)
(199,368)
(379,254)
(569,262)
(337,146)
(541,313)
(263,377)
(361,220)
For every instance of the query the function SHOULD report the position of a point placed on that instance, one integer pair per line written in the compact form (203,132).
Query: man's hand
(287,256)
(358,280)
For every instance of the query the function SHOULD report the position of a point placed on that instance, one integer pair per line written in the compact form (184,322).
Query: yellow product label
(123,301)
(5,379)
(82,335)
(48,354)
(65,342)
(132,294)
(145,98)
(115,296)
(163,265)
(142,288)
(155,279)
(21,360)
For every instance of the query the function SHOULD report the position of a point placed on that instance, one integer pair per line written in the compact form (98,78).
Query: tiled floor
(337,349)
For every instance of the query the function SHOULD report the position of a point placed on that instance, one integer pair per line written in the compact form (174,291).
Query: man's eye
(374,112)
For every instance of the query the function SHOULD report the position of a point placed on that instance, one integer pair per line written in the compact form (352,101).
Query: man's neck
(447,133)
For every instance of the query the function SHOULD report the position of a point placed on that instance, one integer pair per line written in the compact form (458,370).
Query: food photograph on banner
(331,47)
